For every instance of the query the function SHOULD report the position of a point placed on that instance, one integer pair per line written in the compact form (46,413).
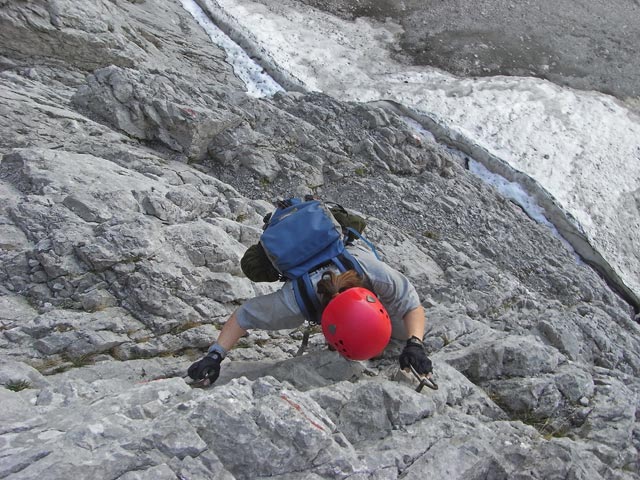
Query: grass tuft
(18,385)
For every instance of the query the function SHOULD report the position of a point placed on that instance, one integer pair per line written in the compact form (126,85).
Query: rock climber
(359,309)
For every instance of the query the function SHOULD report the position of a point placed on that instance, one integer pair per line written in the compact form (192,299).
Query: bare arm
(230,333)
(414,322)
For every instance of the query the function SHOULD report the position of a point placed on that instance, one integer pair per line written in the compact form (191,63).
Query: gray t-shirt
(279,310)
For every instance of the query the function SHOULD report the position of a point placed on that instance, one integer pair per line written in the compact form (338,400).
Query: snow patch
(259,84)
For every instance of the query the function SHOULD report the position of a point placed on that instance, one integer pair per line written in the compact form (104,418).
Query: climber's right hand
(207,368)
(414,356)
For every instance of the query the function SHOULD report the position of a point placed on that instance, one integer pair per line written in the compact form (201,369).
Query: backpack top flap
(301,237)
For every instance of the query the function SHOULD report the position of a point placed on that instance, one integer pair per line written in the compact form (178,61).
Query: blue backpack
(300,237)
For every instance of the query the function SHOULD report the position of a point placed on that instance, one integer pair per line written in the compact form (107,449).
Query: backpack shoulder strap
(349,262)
(365,240)
(307,297)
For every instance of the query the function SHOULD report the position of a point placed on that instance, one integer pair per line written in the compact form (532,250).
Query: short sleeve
(394,289)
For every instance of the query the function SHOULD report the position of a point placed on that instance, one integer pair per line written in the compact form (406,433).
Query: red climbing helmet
(356,324)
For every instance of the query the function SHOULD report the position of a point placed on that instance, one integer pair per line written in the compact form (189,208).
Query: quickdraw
(424,381)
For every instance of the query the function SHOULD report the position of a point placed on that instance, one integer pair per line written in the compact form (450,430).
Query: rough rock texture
(134,173)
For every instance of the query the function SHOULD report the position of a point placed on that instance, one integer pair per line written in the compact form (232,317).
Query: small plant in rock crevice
(18,385)
(78,361)
(183,327)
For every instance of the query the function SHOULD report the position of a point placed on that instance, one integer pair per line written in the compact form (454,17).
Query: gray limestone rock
(505,357)
(17,374)
(155,108)
(134,173)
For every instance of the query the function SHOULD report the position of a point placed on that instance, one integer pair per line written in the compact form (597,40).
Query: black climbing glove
(414,354)
(207,367)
